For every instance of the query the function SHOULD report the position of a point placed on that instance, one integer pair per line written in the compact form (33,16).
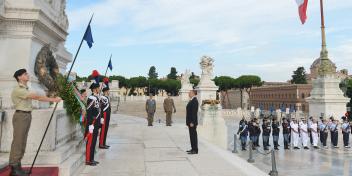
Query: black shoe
(266,149)
(296,148)
(103,147)
(107,146)
(193,152)
(91,163)
(306,148)
(316,147)
(276,148)
(17,171)
(96,162)
(286,148)
(189,151)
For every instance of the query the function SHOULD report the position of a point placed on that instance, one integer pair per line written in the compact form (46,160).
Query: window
(303,96)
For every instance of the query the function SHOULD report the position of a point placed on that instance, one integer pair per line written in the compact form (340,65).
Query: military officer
(276,132)
(286,130)
(324,131)
(266,133)
(303,128)
(334,132)
(169,108)
(295,133)
(106,113)
(150,108)
(243,132)
(346,129)
(93,123)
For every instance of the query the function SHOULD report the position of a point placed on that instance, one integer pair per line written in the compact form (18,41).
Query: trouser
(265,141)
(254,140)
(104,128)
(276,140)
(286,140)
(323,138)
(91,142)
(150,119)
(243,142)
(334,138)
(295,139)
(193,137)
(168,118)
(346,137)
(257,140)
(315,138)
(305,139)
(310,136)
(21,123)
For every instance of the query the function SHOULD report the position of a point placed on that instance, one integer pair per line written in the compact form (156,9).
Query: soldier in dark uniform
(93,123)
(106,113)
(286,131)
(276,132)
(346,129)
(252,133)
(266,133)
(243,132)
(334,131)
(324,131)
(257,132)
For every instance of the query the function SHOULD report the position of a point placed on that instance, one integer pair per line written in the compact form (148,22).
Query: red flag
(302,10)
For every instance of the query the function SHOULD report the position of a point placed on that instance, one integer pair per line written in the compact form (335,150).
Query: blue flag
(88,37)
(110,65)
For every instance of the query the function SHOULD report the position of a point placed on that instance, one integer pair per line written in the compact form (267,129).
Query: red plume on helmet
(95,75)
(106,80)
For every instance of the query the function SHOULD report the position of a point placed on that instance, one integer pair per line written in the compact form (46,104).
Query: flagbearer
(93,120)
(106,113)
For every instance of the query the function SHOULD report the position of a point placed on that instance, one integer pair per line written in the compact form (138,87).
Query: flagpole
(106,71)
(323,37)
(55,107)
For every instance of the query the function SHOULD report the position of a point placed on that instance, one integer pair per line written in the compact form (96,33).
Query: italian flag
(302,9)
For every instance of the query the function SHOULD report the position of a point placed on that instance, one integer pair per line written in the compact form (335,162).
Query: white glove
(91,128)
(102,121)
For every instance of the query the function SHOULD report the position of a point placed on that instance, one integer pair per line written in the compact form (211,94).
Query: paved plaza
(138,150)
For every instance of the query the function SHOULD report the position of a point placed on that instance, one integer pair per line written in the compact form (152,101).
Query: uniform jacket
(169,105)
(150,106)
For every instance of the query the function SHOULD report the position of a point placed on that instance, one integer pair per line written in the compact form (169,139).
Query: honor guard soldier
(334,131)
(257,131)
(286,130)
(346,129)
(315,133)
(303,127)
(276,132)
(324,131)
(106,113)
(243,132)
(266,133)
(93,123)
(252,133)
(295,133)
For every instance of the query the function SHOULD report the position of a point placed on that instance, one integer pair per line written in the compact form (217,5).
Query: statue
(207,65)
(185,77)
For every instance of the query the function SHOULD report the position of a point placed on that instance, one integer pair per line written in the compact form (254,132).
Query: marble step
(72,165)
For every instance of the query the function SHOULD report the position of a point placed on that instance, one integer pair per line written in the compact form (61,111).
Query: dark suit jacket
(192,112)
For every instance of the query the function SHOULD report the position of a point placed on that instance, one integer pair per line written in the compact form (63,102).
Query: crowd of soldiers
(297,133)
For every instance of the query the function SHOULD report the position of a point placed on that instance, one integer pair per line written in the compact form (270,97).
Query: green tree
(171,86)
(136,82)
(80,79)
(172,74)
(152,73)
(225,83)
(245,83)
(194,79)
(299,76)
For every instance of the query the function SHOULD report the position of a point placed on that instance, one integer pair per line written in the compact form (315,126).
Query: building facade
(292,95)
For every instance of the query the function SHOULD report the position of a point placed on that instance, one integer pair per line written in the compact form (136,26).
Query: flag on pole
(88,36)
(302,9)
(110,65)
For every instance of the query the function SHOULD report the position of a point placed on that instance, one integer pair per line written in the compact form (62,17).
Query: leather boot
(17,171)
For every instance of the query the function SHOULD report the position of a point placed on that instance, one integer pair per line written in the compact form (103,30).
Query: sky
(264,38)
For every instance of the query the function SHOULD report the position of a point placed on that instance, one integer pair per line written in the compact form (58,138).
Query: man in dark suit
(192,121)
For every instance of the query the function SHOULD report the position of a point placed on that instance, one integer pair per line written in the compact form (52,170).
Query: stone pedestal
(213,127)
(327,98)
